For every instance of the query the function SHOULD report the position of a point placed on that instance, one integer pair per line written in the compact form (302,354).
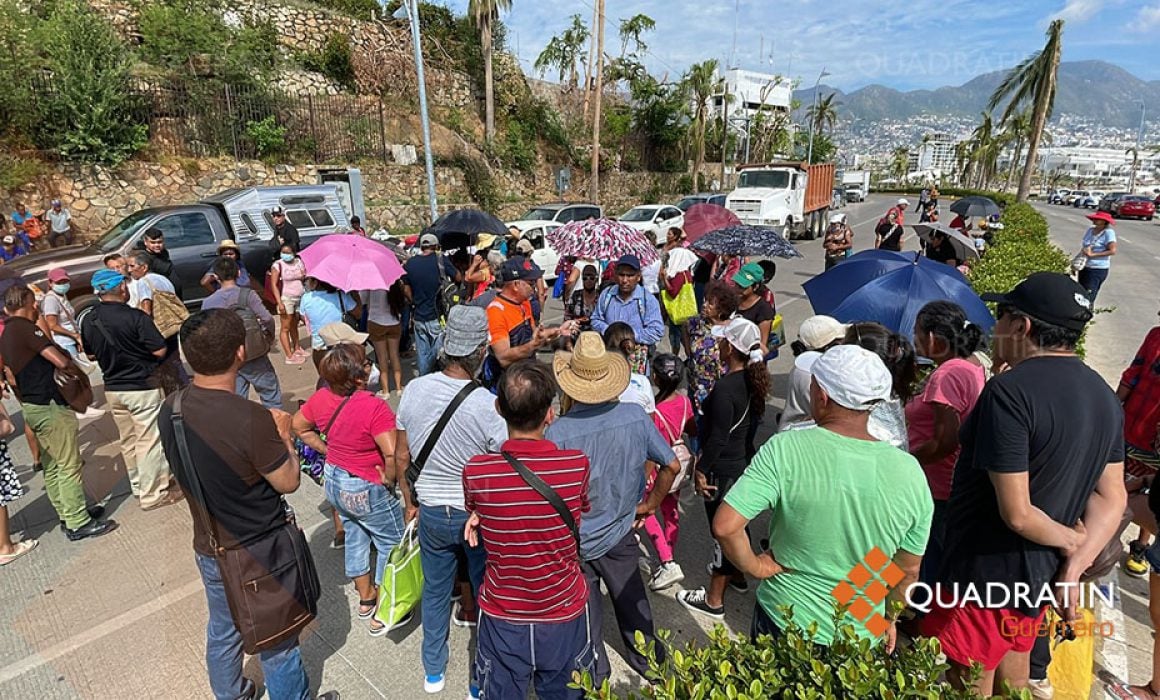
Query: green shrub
(790,667)
(685,184)
(360,9)
(518,149)
(268,137)
(1021,248)
(16,172)
(172,33)
(89,113)
(333,60)
(945,193)
(479,181)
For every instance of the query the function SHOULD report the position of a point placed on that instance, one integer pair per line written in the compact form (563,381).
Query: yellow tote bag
(1070,671)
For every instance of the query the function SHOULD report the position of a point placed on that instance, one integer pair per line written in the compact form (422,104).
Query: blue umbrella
(891,288)
(746,240)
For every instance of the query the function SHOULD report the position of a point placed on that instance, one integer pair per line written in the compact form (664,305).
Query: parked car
(193,232)
(544,255)
(1109,199)
(687,201)
(657,218)
(1136,206)
(1091,201)
(1058,196)
(1076,198)
(563,212)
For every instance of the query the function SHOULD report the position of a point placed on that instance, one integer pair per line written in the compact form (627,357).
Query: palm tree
(900,163)
(702,83)
(486,14)
(985,147)
(1033,81)
(824,113)
(1016,130)
(631,30)
(563,53)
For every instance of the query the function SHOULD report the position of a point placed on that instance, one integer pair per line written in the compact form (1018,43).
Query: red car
(1134,205)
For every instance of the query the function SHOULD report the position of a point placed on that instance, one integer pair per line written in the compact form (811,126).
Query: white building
(935,154)
(1098,165)
(750,91)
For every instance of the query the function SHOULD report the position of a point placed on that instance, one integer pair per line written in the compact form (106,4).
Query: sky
(903,44)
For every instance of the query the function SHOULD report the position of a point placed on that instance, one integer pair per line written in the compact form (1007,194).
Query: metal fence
(250,123)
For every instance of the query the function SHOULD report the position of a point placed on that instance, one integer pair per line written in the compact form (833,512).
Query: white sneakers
(666,575)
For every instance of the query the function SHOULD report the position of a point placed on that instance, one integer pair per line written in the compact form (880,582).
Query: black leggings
(721,564)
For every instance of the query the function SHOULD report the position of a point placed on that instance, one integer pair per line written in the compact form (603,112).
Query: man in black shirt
(1038,488)
(940,249)
(129,349)
(284,232)
(159,262)
(245,462)
(421,284)
(29,359)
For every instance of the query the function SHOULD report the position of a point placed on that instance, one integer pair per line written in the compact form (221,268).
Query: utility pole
(1139,145)
(594,179)
(724,130)
(588,65)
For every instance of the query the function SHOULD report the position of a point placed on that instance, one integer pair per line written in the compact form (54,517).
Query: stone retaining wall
(396,195)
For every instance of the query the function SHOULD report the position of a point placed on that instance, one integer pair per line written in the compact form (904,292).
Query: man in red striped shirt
(533,620)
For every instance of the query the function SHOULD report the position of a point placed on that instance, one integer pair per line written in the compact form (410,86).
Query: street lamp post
(1139,142)
(410,10)
(813,117)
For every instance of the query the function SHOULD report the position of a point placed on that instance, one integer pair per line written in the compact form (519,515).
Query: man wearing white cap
(888,232)
(816,335)
(838,499)
(59,224)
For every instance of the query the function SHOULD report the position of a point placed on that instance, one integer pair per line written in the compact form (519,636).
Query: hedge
(951,193)
(1021,248)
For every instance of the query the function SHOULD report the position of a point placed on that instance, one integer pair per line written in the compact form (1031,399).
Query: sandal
(371,603)
(22,547)
(1144,692)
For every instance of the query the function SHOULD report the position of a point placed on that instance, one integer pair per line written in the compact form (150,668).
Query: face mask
(61,288)
(287,257)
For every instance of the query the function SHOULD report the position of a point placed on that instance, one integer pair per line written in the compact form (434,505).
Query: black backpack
(451,293)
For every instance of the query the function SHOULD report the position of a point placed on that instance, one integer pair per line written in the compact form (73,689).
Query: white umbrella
(964,246)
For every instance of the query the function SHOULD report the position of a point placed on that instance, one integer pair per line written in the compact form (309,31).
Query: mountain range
(1094,90)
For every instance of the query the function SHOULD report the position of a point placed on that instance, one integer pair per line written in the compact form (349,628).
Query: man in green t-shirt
(839,499)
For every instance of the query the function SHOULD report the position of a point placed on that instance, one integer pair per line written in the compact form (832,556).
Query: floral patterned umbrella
(746,240)
(601,239)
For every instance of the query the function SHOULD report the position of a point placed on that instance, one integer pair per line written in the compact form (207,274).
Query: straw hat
(591,374)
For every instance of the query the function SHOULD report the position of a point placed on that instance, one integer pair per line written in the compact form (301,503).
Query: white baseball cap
(903,201)
(744,335)
(819,331)
(837,218)
(853,377)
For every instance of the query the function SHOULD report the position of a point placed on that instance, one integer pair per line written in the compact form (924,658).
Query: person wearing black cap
(628,301)
(1038,488)
(284,232)
(425,275)
(512,329)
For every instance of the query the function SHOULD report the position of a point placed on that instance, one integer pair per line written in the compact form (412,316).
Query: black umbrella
(975,206)
(460,228)
(746,240)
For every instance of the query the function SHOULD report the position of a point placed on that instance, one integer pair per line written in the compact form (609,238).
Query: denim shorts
(370,513)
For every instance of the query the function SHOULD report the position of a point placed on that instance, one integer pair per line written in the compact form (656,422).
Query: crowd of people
(533,486)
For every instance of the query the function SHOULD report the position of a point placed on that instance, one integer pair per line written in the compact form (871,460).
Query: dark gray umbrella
(975,206)
(459,228)
(963,245)
(746,240)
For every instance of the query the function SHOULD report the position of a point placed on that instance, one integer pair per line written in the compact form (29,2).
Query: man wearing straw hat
(618,439)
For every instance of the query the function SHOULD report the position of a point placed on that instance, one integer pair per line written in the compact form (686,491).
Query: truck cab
(790,196)
(194,232)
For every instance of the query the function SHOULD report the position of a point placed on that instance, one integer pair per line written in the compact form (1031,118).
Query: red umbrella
(705,218)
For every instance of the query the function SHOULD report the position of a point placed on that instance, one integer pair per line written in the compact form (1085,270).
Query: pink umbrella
(601,239)
(706,218)
(351,262)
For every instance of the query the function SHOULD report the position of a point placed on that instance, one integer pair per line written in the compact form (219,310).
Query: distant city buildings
(1091,165)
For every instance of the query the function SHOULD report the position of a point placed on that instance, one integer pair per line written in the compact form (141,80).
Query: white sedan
(543,256)
(658,218)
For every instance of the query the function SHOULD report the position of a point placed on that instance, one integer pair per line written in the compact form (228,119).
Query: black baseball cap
(1050,297)
(518,267)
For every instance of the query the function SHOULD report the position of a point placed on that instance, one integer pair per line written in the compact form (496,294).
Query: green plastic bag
(402,584)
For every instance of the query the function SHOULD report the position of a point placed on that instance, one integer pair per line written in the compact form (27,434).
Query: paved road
(123,616)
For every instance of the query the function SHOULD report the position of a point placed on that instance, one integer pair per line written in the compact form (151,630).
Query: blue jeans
(440,539)
(282,666)
(428,340)
(1092,279)
(511,655)
(369,513)
(259,373)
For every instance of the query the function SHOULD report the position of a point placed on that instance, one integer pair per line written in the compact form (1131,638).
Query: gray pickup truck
(193,233)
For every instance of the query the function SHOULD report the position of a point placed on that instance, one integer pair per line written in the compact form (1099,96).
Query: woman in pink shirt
(356,431)
(942,334)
